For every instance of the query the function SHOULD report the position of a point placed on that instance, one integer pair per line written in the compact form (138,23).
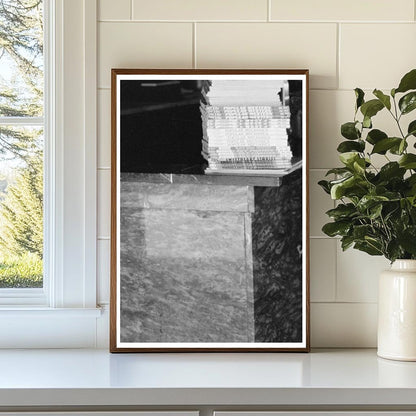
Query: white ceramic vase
(397,312)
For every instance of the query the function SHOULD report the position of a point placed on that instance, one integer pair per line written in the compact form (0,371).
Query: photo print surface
(209,211)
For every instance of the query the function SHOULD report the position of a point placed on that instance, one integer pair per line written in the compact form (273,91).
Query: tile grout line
(326,90)
(194,63)
(318,169)
(338,240)
(308,22)
(369,90)
(269,10)
(338,63)
(344,303)
(336,272)
(322,237)
(131,9)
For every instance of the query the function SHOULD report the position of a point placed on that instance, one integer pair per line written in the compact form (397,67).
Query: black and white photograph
(209,244)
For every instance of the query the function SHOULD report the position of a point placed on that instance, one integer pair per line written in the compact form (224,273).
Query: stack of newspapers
(245,126)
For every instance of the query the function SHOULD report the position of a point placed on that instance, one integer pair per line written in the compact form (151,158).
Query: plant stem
(388,234)
(400,128)
(397,118)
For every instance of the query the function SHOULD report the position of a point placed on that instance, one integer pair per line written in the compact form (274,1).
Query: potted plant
(376,207)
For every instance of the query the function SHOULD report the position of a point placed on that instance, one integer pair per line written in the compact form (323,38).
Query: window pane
(21,207)
(21,58)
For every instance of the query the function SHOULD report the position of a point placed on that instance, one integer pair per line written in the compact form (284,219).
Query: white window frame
(64,313)
(34,296)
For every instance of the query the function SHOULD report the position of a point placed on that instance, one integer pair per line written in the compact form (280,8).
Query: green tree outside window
(21,143)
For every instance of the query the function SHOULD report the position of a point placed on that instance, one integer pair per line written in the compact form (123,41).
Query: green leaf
(393,92)
(348,158)
(367,122)
(371,108)
(407,240)
(353,187)
(411,185)
(408,161)
(325,186)
(413,211)
(385,144)
(361,231)
(411,130)
(408,102)
(359,95)
(349,131)
(338,171)
(375,211)
(359,165)
(411,180)
(391,170)
(412,201)
(380,189)
(403,206)
(385,99)
(375,136)
(392,196)
(391,212)
(338,189)
(393,250)
(342,179)
(368,248)
(369,201)
(342,211)
(346,242)
(398,149)
(336,228)
(349,146)
(374,242)
(408,82)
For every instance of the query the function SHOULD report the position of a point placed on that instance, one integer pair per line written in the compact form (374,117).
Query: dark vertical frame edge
(113,238)
(306,166)
(114,185)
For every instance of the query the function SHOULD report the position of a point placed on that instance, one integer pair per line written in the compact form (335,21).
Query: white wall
(344,43)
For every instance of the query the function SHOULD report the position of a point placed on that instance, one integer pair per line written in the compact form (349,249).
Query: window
(22,128)
(63,312)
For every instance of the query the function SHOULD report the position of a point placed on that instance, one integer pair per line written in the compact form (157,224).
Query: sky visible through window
(21,143)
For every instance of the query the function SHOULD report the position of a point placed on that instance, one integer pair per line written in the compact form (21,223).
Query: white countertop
(96,377)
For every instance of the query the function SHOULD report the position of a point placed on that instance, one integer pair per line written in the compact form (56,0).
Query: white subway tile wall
(270,45)
(200,10)
(357,275)
(345,44)
(142,45)
(104,128)
(114,10)
(349,325)
(323,268)
(352,10)
(327,110)
(319,203)
(366,51)
(104,203)
(103,270)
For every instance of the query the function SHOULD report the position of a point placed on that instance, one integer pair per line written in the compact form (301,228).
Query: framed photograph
(209,215)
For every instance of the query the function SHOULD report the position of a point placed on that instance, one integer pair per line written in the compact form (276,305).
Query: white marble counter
(56,378)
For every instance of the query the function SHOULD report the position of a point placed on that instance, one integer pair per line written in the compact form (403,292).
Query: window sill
(22,297)
(36,312)
(40,327)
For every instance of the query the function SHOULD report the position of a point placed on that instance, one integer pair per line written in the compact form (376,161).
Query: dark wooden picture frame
(208,260)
